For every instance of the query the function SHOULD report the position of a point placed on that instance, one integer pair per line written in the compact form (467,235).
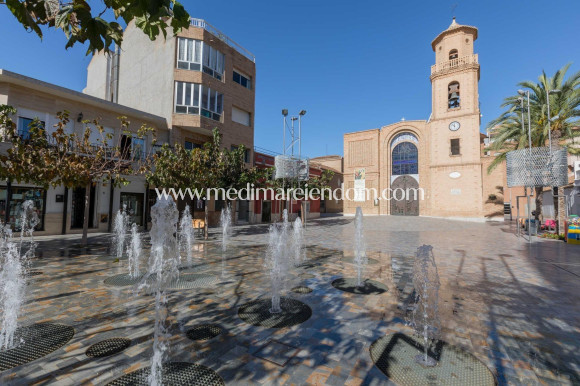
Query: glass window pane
(179,94)
(188,94)
(212,62)
(189,50)
(197,58)
(212,97)
(204,97)
(206,49)
(221,60)
(196,95)
(220,100)
(181,49)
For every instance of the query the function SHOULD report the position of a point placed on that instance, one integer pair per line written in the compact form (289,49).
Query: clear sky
(353,65)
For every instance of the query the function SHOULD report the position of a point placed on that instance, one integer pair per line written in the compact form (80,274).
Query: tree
(201,169)
(507,131)
(80,23)
(70,159)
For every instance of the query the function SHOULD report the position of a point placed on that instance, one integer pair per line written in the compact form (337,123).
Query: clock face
(454,126)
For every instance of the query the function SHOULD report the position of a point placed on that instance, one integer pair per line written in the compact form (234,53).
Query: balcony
(200,23)
(455,64)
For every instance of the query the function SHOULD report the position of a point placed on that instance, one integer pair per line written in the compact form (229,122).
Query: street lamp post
(527,93)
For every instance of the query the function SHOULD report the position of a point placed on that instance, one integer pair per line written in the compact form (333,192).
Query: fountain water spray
(277,259)
(360,255)
(120,230)
(134,250)
(28,222)
(13,268)
(186,235)
(164,262)
(297,242)
(425,317)
(226,224)
(12,287)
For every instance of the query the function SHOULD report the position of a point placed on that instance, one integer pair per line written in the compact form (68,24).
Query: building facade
(61,210)
(198,80)
(441,158)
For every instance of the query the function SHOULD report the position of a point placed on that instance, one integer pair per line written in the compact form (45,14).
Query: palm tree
(508,134)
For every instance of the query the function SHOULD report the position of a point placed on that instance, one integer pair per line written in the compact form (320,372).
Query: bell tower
(455,148)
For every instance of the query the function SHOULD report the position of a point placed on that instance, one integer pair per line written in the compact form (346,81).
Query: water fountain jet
(225,223)
(360,256)
(425,317)
(186,235)
(120,225)
(164,261)
(134,250)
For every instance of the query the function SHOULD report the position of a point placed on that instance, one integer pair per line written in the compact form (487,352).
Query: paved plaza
(512,304)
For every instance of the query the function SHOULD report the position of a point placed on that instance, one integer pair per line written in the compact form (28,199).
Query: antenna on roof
(453,10)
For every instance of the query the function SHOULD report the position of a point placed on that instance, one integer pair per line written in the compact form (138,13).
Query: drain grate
(36,341)
(192,280)
(301,289)
(123,280)
(108,347)
(204,332)
(257,313)
(174,373)
(351,260)
(369,287)
(394,355)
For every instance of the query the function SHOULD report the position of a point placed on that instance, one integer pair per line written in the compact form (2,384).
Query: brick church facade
(443,155)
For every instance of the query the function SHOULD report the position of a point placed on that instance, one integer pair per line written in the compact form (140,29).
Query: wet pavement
(513,305)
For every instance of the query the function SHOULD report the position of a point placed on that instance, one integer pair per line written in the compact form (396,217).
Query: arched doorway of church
(405,196)
(405,175)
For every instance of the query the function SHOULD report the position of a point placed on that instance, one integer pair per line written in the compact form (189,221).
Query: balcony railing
(200,23)
(454,63)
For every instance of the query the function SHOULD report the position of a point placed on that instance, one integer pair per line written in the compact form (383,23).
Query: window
(244,80)
(453,100)
(455,150)
(453,54)
(189,95)
(213,61)
(13,204)
(241,116)
(24,126)
(189,54)
(190,145)
(405,159)
(193,54)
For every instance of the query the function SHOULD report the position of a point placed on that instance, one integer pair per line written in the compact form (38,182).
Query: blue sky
(352,65)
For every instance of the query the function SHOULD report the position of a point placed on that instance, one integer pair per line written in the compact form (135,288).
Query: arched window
(453,95)
(453,54)
(405,159)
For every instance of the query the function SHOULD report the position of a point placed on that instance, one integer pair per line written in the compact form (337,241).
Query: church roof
(454,26)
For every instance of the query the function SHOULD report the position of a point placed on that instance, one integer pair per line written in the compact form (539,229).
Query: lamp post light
(527,93)
(300,115)
(548,93)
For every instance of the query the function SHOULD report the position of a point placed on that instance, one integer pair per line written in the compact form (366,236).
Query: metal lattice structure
(537,167)
(291,167)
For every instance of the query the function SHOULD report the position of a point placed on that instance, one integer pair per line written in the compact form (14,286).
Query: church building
(443,156)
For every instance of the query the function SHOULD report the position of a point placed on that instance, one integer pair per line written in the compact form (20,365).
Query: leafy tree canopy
(80,23)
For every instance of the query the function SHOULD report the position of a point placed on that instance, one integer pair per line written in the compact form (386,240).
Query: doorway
(134,202)
(405,187)
(78,208)
(266,211)
(243,208)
